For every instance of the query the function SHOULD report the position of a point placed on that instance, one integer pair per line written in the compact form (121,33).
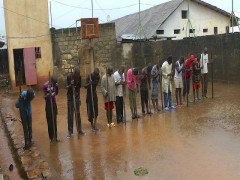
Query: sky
(65,13)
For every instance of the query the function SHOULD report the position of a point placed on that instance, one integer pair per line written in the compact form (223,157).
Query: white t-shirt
(119,88)
(178,75)
(204,63)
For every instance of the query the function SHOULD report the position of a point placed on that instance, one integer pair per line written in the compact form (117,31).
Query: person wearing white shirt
(167,85)
(119,82)
(204,61)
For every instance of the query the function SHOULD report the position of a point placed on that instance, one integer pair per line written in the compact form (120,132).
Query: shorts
(132,97)
(196,86)
(111,105)
(178,82)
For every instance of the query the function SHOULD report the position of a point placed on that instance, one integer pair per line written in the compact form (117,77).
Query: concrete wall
(224,49)
(25,19)
(200,17)
(70,50)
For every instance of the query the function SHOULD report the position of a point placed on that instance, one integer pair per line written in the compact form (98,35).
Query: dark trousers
(27,126)
(50,119)
(204,84)
(73,113)
(144,99)
(186,86)
(119,108)
(90,110)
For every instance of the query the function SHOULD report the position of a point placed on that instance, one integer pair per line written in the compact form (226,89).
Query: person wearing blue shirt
(24,105)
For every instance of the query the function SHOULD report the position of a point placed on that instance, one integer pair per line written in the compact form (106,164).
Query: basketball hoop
(89,28)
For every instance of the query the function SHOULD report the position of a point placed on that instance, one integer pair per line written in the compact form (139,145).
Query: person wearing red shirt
(186,76)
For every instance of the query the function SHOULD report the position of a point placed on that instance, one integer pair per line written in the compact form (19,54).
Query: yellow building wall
(27,25)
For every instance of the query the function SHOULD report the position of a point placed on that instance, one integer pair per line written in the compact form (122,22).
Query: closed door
(30,66)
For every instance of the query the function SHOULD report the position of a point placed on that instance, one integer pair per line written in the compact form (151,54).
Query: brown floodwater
(196,142)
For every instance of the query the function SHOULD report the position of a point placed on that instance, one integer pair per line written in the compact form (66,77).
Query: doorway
(25,66)
(19,67)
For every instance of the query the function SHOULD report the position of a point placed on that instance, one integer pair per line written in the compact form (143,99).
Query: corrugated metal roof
(152,18)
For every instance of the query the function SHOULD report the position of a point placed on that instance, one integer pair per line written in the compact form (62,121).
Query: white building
(174,19)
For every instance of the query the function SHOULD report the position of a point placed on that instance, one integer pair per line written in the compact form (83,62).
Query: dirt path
(198,142)
(6,156)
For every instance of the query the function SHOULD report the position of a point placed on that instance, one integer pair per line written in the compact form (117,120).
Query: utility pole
(189,24)
(92,7)
(233,20)
(140,33)
(50,12)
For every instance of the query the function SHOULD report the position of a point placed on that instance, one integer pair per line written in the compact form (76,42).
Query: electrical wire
(28,17)
(93,9)
(100,7)
(32,37)
(68,12)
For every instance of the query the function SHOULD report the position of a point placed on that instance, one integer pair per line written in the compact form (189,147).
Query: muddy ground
(196,142)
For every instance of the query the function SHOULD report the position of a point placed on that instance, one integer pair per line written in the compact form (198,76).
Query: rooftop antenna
(92,7)
(233,20)
(140,33)
(189,24)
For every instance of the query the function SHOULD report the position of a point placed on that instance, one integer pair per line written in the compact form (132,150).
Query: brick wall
(70,50)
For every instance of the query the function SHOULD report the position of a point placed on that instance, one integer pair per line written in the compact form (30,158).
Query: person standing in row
(24,105)
(204,72)
(196,77)
(144,91)
(155,74)
(178,81)
(109,94)
(92,81)
(132,84)
(186,76)
(119,82)
(50,90)
(167,85)
(73,101)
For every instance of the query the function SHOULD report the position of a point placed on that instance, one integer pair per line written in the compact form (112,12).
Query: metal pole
(92,7)
(51,13)
(139,12)
(188,24)
(232,16)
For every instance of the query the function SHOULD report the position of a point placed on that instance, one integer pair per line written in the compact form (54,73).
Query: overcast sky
(65,13)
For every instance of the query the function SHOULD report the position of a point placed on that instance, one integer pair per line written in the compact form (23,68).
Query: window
(215,30)
(205,30)
(160,31)
(37,52)
(176,31)
(184,14)
(191,30)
